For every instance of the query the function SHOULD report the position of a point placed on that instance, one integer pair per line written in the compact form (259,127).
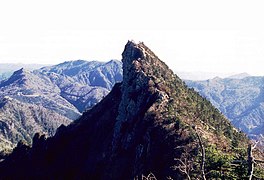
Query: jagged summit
(142,58)
(142,86)
(19,77)
(143,69)
(21,71)
(143,125)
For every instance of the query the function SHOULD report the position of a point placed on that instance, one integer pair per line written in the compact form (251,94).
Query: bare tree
(252,161)
(203,153)
(184,167)
(150,176)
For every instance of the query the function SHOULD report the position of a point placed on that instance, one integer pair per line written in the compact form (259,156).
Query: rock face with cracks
(143,125)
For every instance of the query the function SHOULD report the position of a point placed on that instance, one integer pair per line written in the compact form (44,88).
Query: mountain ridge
(92,73)
(146,124)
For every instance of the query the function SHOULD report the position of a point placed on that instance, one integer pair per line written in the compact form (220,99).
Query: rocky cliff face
(147,123)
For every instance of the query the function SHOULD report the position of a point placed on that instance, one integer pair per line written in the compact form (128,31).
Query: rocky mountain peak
(138,62)
(143,84)
(19,77)
(143,72)
(21,71)
(139,54)
(143,125)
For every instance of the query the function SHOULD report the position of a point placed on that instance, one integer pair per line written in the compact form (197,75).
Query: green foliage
(240,168)
(259,172)
(217,163)
(224,159)
(233,165)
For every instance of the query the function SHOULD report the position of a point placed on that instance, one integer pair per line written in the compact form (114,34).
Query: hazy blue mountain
(28,87)
(200,75)
(239,76)
(241,100)
(30,99)
(82,96)
(7,69)
(92,73)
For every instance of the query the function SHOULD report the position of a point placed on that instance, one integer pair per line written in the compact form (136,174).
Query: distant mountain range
(239,76)
(151,122)
(200,76)
(43,99)
(240,98)
(6,70)
(92,73)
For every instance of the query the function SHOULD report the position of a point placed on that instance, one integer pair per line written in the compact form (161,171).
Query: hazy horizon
(194,36)
(186,75)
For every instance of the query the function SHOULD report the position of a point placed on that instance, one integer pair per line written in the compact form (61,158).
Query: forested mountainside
(240,99)
(151,122)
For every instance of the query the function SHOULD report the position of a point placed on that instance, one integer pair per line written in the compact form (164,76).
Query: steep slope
(36,102)
(27,87)
(241,100)
(27,104)
(92,73)
(81,96)
(151,122)
(20,121)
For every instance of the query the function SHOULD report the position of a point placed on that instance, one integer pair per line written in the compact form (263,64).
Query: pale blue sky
(213,36)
